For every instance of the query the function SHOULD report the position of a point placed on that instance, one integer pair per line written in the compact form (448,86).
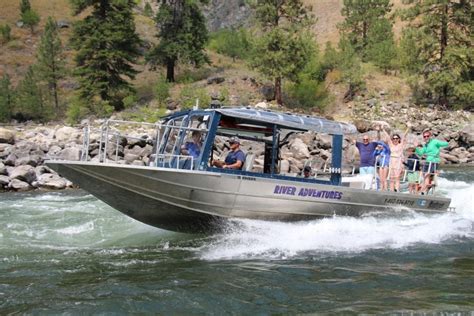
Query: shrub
(232,43)
(189,95)
(5,31)
(162,90)
(307,93)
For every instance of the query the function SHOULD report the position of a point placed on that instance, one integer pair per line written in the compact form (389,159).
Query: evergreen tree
(107,47)
(147,10)
(50,62)
(381,48)
(286,44)
(360,18)
(350,65)
(442,30)
(31,19)
(6,99)
(182,33)
(29,99)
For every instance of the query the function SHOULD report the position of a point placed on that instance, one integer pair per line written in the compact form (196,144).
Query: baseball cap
(234,139)
(307,168)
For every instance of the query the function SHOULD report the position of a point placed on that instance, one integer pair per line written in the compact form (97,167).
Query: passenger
(366,153)
(414,171)
(382,158)
(307,172)
(193,148)
(430,150)
(396,144)
(235,158)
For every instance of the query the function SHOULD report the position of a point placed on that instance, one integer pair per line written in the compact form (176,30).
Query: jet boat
(183,193)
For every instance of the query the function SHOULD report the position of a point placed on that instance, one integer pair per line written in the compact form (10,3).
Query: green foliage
(147,11)
(77,110)
(330,60)
(182,34)
(145,114)
(307,92)
(286,43)
(232,43)
(350,65)
(30,18)
(30,99)
(441,41)
(189,94)
(24,6)
(6,99)
(107,47)
(162,90)
(50,61)
(6,32)
(129,101)
(360,17)
(381,48)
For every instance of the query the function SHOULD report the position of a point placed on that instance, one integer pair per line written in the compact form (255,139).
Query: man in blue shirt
(193,148)
(367,159)
(235,158)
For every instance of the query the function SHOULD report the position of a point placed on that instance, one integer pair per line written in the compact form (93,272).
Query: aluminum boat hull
(195,201)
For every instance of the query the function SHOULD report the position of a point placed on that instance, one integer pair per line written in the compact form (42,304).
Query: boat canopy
(294,121)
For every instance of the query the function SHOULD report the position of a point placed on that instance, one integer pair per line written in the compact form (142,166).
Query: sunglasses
(426,136)
(365,139)
(395,138)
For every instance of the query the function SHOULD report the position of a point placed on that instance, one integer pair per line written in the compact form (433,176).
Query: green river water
(68,253)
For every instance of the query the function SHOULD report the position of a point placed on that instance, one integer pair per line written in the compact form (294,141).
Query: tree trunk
(443,41)
(278,96)
(170,70)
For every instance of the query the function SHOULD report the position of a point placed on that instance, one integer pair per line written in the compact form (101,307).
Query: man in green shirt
(430,151)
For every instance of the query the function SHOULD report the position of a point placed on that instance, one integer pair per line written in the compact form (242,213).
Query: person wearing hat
(235,158)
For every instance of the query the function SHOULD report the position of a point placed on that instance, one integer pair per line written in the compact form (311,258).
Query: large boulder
(70,153)
(52,181)
(299,149)
(3,169)
(19,185)
(467,135)
(7,136)
(4,181)
(67,133)
(24,173)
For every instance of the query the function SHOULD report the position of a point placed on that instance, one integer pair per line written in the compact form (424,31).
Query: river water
(67,252)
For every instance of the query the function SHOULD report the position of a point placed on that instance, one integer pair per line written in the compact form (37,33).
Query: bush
(129,101)
(5,31)
(307,93)
(232,43)
(189,94)
(162,90)
(147,11)
(77,110)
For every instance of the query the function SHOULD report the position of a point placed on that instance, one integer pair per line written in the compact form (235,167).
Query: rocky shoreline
(25,147)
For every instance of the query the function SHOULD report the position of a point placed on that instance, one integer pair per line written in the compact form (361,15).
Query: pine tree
(147,10)
(6,99)
(285,45)
(381,48)
(182,33)
(28,16)
(29,98)
(50,63)
(107,47)
(360,17)
(442,32)
(350,64)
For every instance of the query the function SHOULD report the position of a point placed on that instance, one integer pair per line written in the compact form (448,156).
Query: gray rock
(299,149)
(10,160)
(215,80)
(3,169)
(268,92)
(24,173)
(19,185)
(7,136)
(130,158)
(467,134)
(4,181)
(32,160)
(71,153)
(52,181)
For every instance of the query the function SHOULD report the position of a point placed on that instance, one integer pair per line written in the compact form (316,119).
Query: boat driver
(235,158)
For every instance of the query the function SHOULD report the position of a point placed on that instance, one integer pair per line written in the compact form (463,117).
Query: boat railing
(113,134)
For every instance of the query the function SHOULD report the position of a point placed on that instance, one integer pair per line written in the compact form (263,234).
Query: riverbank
(25,147)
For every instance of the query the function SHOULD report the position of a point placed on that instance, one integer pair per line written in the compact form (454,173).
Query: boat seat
(248,164)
